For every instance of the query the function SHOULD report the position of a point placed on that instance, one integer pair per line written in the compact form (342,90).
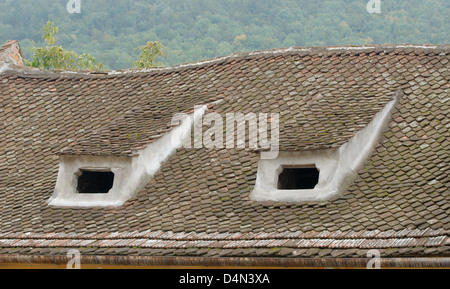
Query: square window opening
(298,178)
(94,182)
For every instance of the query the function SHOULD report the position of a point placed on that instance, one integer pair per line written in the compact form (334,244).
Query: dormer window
(95,182)
(298,178)
(110,181)
(318,175)
(88,181)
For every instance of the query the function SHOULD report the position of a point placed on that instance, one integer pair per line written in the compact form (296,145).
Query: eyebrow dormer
(104,180)
(318,175)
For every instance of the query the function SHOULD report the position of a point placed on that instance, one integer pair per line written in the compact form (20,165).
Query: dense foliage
(111,30)
(56,57)
(149,55)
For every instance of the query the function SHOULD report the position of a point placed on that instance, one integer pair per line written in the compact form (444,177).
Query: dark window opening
(300,178)
(95,182)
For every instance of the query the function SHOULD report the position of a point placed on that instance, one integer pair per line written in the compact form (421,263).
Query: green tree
(149,54)
(56,57)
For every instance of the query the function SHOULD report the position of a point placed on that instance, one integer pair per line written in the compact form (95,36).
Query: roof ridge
(331,49)
(293,49)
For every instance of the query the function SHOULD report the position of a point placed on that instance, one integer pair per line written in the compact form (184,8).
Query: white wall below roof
(337,167)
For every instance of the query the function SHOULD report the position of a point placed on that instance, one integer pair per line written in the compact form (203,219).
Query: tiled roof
(319,107)
(200,197)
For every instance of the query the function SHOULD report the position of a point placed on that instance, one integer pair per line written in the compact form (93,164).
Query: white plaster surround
(337,167)
(131,174)
(66,194)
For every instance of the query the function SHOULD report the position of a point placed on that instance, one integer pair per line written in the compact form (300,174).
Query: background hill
(192,30)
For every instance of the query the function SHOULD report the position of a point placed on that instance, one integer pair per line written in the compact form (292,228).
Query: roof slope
(198,203)
(321,104)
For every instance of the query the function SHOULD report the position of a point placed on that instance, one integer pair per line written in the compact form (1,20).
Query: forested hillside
(111,30)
